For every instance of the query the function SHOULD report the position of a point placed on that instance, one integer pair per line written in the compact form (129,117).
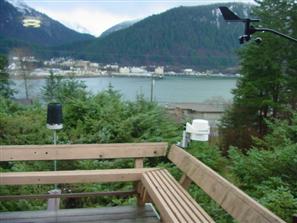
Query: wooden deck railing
(136,151)
(238,204)
(82,151)
(233,200)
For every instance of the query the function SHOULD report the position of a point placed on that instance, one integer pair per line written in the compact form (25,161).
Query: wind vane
(249,29)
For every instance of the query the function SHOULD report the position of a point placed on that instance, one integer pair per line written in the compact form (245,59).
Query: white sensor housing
(199,130)
(54,126)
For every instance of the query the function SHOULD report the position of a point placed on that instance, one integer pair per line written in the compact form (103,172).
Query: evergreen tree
(5,89)
(268,86)
(50,90)
(58,89)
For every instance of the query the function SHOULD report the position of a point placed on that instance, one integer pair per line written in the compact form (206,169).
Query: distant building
(82,64)
(124,70)
(94,65)
(12,66)
(114,67)
(29,59)
(211,112)
(111,67)
(137,70)
(159,70)
(67,63)
(188,71)
(40,72)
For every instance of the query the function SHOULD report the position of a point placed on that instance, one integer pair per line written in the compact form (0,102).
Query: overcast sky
(95,16)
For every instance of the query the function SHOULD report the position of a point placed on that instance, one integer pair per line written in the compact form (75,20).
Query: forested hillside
(185,36)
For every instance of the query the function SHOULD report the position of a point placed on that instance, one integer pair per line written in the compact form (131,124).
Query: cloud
(94,21)
(95,16)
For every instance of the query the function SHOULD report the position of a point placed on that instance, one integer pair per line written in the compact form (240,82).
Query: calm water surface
(168,89)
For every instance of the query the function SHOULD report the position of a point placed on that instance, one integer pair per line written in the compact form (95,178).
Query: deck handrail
(238,204)
(73,176)
(82,151)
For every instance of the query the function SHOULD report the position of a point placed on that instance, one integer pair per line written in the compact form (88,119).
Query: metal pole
(275,32)
(154,81)
(152,87)
(55,161)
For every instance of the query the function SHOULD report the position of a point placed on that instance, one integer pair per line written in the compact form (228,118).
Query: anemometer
(230,16)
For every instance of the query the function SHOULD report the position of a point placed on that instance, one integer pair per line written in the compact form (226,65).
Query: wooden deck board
(73,176)
(126,214)
(171,199)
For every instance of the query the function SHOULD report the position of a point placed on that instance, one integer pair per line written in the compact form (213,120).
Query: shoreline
(35,77)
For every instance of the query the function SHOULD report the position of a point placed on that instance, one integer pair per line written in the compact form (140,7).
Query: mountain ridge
(119,26)
(195,36)
(51,32)
(192,36)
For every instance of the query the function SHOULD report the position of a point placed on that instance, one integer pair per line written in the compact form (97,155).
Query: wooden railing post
(185,181)
(137,185)
(138,163)
(53,204)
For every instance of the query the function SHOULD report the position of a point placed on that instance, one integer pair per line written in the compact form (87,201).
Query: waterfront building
(124,70)
(159,70)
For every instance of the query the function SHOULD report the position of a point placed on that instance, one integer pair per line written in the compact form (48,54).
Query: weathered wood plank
(166,213)
(75,176)
(110,214)
(173,202)
(238,204)
(192,206)
(138,163)
(170,201)
(82,151)
(143,197)
(185,181)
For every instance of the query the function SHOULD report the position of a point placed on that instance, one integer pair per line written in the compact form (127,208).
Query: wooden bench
(173,202)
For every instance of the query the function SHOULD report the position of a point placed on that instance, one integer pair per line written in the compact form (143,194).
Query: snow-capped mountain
(20,6)
(76,27)
(50,33)
(117,27)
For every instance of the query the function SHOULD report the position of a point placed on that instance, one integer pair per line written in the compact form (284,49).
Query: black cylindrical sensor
(54,116)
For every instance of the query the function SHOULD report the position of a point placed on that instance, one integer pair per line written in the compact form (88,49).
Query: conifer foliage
(268,86)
